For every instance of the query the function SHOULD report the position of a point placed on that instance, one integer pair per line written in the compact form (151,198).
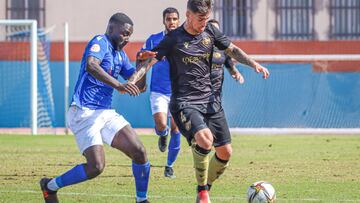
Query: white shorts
(159,102)
(93,127)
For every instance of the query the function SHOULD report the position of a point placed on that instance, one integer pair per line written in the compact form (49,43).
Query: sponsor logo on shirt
(95,48)
(196,59)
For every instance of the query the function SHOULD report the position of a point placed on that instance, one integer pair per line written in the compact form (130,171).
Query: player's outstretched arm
(239,55)
(142,67)
(93,67)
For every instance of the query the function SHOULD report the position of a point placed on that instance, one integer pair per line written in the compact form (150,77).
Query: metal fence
(344,19)
(235,17)
(294,19)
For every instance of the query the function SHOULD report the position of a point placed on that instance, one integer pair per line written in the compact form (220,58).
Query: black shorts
(190,120)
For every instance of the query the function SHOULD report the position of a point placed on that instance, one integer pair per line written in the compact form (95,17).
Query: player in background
(193,106)
(219,61)
(91,118)
(160,92)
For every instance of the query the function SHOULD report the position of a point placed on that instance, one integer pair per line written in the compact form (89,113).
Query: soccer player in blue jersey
(193,104)
(91,118)
(160,92)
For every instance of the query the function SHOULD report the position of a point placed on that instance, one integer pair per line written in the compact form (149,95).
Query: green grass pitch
(301,168)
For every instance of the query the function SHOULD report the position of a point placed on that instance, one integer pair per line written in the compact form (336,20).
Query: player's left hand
(129,88)
(261,69)
(237,76)
(143,55)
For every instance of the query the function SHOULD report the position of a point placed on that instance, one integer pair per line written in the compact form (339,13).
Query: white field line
(168,196)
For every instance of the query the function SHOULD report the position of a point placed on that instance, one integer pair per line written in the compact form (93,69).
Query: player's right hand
(129,88)
(261,69)
(143,55)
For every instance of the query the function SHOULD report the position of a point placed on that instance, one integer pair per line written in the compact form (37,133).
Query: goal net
(16,75)
(304,94)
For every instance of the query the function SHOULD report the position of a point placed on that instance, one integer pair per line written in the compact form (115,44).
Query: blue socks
(72,176)
(141,174)
(174,148)
(162,133)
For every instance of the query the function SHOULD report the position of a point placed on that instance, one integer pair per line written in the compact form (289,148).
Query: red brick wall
(250,47)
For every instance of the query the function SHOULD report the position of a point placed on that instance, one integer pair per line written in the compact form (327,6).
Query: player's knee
(204,139)
(204,143)
(160,126)
(139,155)
(225,153)
(95,169)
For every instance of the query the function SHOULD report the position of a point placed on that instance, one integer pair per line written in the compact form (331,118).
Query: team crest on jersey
(217,55)
(186,44)
(206,41)
(95,48)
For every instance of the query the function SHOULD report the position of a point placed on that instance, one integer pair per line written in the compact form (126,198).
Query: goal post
(33,62)
(29,86)
(66,72)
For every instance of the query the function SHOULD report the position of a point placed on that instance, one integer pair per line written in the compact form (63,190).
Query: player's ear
(187,13)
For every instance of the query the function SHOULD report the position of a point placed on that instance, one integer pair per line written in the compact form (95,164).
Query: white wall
(87,18)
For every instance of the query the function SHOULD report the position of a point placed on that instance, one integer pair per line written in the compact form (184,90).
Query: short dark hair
(120,18)
(199,6)
(214,21)
(170,10)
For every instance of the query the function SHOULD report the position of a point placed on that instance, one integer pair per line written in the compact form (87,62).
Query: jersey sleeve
(97,47)
(220,40)
(228,62)
(164,47)
(127,68)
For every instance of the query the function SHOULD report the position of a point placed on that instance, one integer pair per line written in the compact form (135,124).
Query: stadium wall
(296,95)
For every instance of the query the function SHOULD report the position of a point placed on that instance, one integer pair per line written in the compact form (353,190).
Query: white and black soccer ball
(261,192)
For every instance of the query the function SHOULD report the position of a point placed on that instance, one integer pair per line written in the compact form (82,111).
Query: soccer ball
(261,192)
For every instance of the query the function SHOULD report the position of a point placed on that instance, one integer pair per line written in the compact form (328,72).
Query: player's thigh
(219,127)
(127,141)
(159,103)
(86,126)
(114,122)
(118,133)
(189,122)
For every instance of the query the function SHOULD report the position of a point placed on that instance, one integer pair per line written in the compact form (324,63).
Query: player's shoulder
(210,28)
(99,39)
(156,36)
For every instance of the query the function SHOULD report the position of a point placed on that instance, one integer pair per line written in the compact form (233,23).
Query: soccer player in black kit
(193,105)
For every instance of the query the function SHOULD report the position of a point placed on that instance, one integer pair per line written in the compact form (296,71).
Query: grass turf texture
(301,168)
